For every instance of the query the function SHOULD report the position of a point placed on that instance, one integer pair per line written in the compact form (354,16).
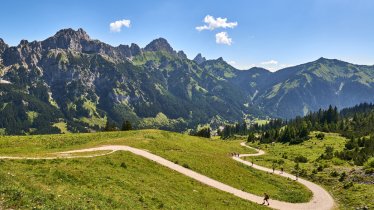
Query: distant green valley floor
(123,180)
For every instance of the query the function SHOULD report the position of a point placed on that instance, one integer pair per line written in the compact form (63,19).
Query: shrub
(301,159)
(280,162)
(342,177)
(303,173)
(320,136)
(329,153)
(369,171)
(204,132)
(334,174)
(369,163)
(123,165)
(348,185)
(186,165)
(369,166)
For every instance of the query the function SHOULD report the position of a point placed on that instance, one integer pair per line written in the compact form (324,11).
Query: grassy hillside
(123,180)
(354,190)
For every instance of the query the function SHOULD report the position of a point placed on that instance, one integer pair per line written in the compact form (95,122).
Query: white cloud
(117,25)
(232,62)
(273,65)
(271,62)
(223,38)
(241,66)
(213,23)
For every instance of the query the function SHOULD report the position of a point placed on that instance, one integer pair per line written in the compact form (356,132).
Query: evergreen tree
(126,126)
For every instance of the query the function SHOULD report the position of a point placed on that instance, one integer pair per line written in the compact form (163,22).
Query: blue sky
(268,33)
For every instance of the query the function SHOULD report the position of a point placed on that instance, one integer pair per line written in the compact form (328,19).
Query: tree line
(355,123)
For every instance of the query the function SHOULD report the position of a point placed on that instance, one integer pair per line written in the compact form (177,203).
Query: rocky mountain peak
(181,54)
(67,39)
(3,46)
(23,42)
(159,44)
(199,59)
(220,59)
(135,49)
(71,33)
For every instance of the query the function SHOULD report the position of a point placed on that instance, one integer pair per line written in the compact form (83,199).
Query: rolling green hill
(123,180)
(349,185)
(308,87)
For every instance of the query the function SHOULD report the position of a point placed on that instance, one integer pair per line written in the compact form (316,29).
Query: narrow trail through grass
(321,199)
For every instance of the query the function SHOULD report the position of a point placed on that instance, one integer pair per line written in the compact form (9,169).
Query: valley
(207,105)
(74,83)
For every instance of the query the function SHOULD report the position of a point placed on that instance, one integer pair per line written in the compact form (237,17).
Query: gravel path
(321,198)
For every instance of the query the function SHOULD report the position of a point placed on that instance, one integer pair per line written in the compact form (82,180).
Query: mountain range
(72,83)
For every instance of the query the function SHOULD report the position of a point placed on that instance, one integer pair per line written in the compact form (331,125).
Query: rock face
(68,39)
(159,44)
(3,46)
(72,79)
(82,82)
(182,55)
(199,59)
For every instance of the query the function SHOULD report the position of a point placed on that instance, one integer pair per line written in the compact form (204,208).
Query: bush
(280,162)
(301,159)
(369,171)
(329,153)
(126,126)
(204,132)
(303,173)
(123,165)
(342,177)
(334,174)
(369,166)
(348,185)
(320,136)
(369,163)
(186,165)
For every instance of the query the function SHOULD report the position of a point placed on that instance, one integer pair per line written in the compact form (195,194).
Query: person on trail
(297,176)
(266,199)
(281,170)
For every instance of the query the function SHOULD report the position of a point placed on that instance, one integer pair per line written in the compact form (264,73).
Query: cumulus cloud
(232,63)
(117,25)
(223,38)
(273,65)
(213,23)
(271,62)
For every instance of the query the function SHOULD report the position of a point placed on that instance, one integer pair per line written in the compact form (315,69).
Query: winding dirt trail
(321,198)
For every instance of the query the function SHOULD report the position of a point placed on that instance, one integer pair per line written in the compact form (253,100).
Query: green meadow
(122,180)
(348,184)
